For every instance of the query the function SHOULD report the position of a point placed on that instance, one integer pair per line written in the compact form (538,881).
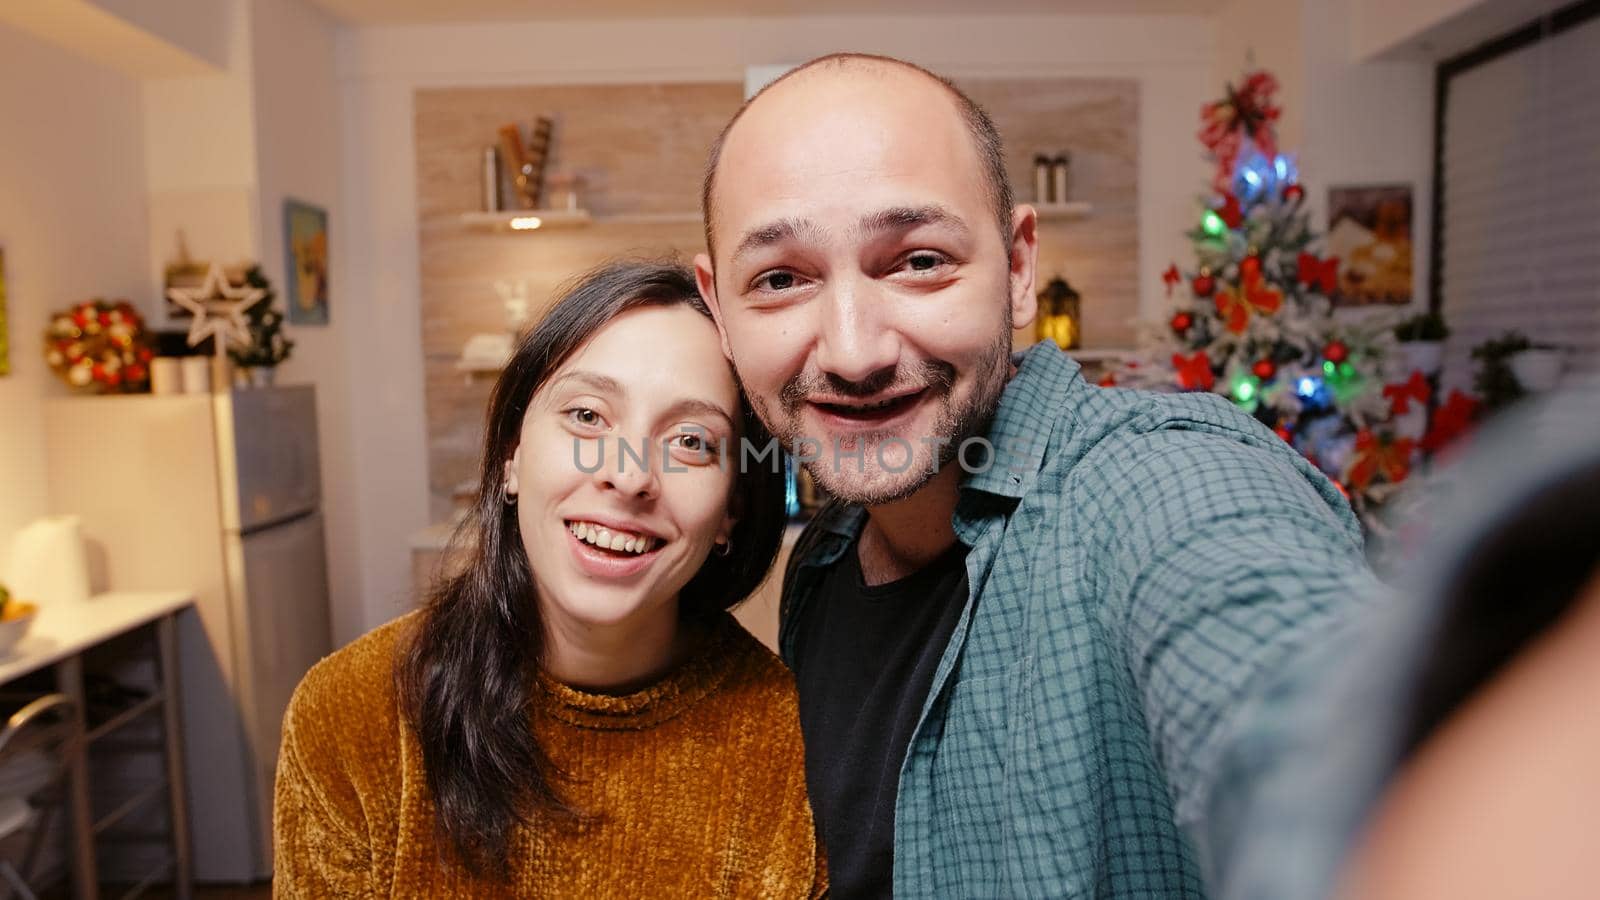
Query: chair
(34,755)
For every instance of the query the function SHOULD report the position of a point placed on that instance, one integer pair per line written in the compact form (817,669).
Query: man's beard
(864,480)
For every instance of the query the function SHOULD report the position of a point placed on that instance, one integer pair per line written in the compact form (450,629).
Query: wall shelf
(1062,212)
(531,220)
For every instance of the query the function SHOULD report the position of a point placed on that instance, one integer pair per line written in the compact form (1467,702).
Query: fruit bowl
(16,617)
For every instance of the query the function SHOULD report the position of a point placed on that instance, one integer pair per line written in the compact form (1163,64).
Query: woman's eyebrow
(704,407)
(604,384)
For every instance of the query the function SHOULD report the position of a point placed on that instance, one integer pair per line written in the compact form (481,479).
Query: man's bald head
(985,137)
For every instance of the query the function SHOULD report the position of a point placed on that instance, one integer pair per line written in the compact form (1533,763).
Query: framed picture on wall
(1369,229)
(305,246)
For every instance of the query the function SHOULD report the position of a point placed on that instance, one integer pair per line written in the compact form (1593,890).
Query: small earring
(506,495)
(724,548)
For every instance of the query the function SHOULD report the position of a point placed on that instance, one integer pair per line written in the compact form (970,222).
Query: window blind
(1520,216)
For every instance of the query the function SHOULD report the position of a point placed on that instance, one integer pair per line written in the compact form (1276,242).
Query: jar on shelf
(1058,315)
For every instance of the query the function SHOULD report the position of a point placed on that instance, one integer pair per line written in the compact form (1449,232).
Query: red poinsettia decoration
(1254,295)
(1247,112)
(1400,395)
(1389,456)
(1450,421)
(1194,371)
(1321,273)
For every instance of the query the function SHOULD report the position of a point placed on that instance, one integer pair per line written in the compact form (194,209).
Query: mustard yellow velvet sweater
(698,782)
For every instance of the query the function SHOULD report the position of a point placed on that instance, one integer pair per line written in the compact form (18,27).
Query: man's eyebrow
(904,218)
(774,233)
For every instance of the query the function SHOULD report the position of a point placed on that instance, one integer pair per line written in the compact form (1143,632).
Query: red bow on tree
(1171,277)
(1323,273)
(1246,112)
(1450,421)
(1390,456)
(1254,295)
(1401,395)
(1194,372)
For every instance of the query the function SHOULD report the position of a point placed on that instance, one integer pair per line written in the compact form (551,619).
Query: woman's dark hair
(466,674)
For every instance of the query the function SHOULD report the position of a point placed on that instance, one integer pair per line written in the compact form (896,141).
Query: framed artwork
(305,245)
(5,327)
(1369,229)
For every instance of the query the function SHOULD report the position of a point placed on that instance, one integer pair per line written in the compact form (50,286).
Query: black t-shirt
(864,659)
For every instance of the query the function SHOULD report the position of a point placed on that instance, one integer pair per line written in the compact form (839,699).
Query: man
(1028,630)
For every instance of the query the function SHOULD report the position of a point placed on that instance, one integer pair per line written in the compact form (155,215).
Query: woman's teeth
(608,539)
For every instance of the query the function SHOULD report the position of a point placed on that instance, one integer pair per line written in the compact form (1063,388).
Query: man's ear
(705,278)
(1024,262)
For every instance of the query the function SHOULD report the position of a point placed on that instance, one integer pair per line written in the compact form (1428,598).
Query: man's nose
(854,337)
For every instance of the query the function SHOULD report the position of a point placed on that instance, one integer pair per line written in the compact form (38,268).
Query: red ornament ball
(1294,193)
(1203,285)
(1250,268)
(1264,369)
(1336,352)
(1182,322)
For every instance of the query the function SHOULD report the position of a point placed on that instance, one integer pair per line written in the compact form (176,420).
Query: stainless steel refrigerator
(219,494)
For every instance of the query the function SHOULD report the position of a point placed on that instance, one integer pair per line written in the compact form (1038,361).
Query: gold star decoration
(218,309)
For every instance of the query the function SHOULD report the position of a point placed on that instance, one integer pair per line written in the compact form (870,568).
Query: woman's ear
(725,530)
(509,476)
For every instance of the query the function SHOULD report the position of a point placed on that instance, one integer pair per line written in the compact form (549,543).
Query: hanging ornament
(1181,322)
(1231,213)
(1171,277)
(1264,369)
(1335,352)
(1283,432)
(1194,371)
(1250,268)
(1203,283)
(1294,193)
(1320,273)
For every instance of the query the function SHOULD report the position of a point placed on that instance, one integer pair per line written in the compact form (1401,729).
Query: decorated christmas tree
(1252,318)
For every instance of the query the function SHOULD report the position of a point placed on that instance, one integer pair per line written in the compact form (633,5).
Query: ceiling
(404,12)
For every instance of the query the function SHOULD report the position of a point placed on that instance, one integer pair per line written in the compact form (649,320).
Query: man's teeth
(612,540)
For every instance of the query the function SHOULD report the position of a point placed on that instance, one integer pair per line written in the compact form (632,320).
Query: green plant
(1428,326)
(267,346)
(1494,381)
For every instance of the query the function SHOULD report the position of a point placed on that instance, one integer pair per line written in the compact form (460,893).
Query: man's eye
(776,281)
(924,262)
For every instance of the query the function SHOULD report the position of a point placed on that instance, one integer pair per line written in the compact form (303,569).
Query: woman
(573,712)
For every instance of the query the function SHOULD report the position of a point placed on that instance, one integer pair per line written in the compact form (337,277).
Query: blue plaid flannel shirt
(1142,568)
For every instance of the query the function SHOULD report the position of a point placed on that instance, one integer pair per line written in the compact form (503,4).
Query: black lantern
(1058,315)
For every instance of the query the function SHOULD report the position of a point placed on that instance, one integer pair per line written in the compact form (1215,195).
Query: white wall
(1170,56)
(72,225)
(298,137)
(1366,123)
(1348,122)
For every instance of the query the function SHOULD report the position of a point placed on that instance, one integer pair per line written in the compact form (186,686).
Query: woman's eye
(582,415)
